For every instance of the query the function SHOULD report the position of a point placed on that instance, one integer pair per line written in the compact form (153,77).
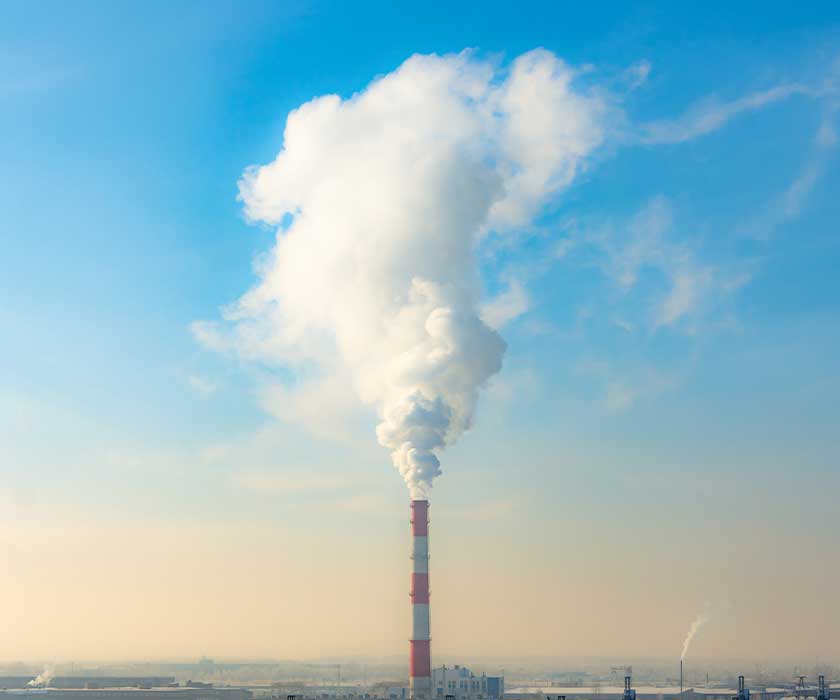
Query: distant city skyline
(637,210)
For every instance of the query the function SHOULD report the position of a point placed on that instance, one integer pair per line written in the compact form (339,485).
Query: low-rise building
(460,682)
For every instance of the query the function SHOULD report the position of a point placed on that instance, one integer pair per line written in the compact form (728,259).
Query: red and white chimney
(420,659)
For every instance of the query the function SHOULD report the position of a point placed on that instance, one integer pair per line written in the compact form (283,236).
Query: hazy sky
(662,435)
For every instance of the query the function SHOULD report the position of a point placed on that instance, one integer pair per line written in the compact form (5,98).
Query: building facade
(460,682)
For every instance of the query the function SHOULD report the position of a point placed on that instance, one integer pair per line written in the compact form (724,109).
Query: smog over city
(419,351)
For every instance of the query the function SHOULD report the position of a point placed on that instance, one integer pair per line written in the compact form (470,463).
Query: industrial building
(460,682)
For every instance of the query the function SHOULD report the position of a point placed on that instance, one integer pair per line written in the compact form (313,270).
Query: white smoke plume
(699,621)
(42,680)
(380,202)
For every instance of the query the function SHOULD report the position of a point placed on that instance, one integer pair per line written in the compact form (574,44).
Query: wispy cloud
(813,168)
(790,204)
(507,306)
(623,387)
(203,386)
(639,243)
(648,242)
(211,336)
(637,74)
(624,325)
(690,285)
(711,114)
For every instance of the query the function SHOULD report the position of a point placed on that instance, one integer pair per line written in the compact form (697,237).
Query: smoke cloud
(380,202)
(699,621)
(42,680)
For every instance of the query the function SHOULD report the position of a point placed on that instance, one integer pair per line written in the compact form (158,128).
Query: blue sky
(124,131)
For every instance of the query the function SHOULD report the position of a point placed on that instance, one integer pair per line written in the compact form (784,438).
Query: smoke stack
(420,659)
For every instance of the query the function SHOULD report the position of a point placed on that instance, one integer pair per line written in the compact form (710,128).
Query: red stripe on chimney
(420,518)
(419,588)
(420,659)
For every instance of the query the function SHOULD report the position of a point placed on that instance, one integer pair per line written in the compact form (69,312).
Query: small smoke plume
(42,680)
(699,621)
(372,287)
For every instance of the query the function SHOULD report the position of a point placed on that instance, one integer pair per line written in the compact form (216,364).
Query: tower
(420,657)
